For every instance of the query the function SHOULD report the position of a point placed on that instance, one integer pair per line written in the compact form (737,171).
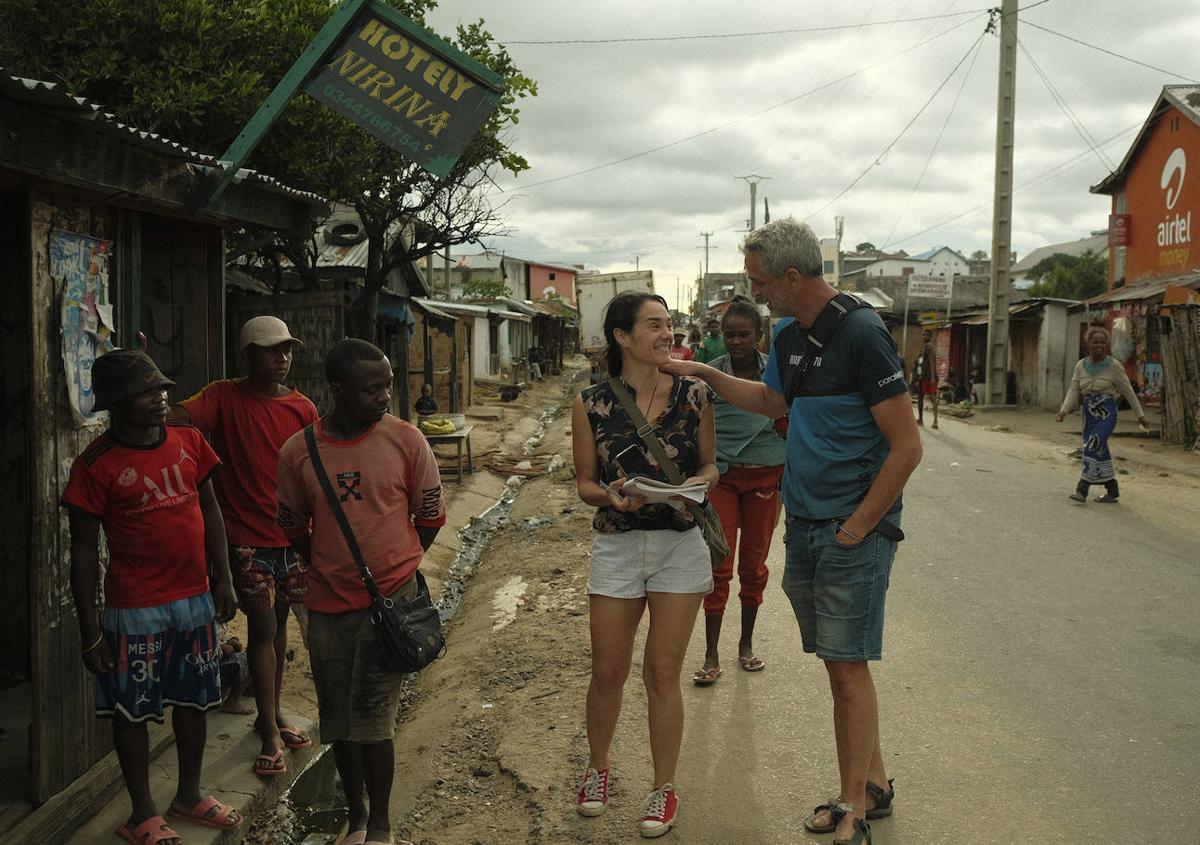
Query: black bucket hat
(124,373)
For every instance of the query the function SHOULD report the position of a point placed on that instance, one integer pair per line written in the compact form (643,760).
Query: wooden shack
(440,355)
(99,243)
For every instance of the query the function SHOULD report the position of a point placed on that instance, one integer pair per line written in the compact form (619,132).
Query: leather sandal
(883,800)
(862,833)
(834,807)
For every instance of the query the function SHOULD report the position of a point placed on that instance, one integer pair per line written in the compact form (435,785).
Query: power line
(937,140)
(658,38)
(1061,102)
(1111,53)
(879,159)
(743,118)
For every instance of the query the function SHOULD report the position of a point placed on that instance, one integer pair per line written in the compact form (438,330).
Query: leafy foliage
(865,246)
(484,289)
(1070,276)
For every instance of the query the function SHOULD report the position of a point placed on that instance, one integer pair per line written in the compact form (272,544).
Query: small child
(426,405)
(147,483)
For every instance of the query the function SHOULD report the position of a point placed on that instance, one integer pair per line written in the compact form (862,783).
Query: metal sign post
(413,91)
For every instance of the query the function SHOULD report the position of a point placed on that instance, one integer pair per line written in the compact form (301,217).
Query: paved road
(1041,673)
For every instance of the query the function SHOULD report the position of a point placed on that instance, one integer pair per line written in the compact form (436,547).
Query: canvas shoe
(592,799)
(661,807)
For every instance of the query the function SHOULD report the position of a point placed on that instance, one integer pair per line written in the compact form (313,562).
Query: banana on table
(437,426)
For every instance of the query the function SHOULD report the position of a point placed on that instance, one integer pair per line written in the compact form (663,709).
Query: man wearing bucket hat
(249,419)
(146,482)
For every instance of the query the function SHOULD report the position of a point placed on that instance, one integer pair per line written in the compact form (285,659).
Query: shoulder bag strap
(310,438)
(823,329)
(646,431)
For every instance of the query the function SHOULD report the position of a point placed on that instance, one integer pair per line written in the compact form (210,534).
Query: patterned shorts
(259,575)
(162,655)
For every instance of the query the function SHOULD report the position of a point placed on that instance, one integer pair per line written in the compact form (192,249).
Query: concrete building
(944,261)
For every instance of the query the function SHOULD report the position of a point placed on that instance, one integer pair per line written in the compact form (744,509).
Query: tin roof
(1143,290)
(52,95)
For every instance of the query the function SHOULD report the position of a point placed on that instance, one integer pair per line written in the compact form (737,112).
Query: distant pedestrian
(750,457)
(387,482)
(679,350)
(250,419)
(852,445)
(147,483)
(643,555)
(925,375)
(1098,380)
(694,339)
(713,345)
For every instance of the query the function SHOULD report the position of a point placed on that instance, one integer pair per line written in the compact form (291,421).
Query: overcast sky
(598,103)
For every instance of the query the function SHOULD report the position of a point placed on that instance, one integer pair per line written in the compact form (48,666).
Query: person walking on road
(713,345)
(852,445)
(644,555)
(388,486)
(148,484)
(249,420)
(1098,380)
(680,350)
(750,456)
(925,375)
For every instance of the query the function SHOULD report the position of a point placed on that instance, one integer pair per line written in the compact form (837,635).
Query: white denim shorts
(629,564)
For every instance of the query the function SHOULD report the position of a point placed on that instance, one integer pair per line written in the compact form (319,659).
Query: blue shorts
(837,592)
(165,654)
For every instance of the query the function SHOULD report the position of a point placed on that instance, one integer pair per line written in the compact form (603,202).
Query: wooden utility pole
(753,179)
(1000,284)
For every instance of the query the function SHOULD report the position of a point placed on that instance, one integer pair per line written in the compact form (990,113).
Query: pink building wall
(544,280)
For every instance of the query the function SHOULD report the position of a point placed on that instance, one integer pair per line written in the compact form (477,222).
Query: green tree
(196,70)
(484,289)
(1065,276)
(865,246)
(979,255)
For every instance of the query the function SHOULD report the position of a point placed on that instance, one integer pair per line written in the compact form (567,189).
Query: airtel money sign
(1175,230)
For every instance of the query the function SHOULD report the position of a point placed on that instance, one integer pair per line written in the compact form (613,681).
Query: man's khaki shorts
(357,695)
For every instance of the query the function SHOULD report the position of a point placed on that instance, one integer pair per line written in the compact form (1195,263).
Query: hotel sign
(407,87)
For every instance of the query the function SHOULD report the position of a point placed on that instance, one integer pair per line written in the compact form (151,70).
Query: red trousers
(747,500)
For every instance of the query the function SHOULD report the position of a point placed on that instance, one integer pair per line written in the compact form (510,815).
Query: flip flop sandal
(150,832)
(295,738)
(274,764)
(706,677)
(209,813)
(752,664)
(883,800)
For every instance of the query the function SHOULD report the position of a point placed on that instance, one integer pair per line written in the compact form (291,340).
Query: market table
(463,435)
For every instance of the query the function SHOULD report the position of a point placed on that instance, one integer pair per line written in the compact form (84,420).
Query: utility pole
(753,179)
(996,373)
(704,273)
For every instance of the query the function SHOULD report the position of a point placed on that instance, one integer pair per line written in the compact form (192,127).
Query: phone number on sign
(367,115)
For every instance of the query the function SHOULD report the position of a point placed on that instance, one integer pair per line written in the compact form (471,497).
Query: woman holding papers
(644,555)
(750,457)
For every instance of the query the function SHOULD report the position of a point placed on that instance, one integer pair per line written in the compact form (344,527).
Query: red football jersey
(248,431)
(148,502)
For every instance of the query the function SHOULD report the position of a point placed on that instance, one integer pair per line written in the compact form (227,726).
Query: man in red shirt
(387,482)
(680,351)
(250,419)
(147,484)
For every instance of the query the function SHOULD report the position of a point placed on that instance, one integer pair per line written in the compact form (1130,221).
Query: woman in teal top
(750,459)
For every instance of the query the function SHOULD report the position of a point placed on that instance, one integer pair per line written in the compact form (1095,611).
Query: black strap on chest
(818,336)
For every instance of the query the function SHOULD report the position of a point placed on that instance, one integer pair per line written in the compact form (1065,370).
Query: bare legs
(266,652)
(614,623)
(367,770)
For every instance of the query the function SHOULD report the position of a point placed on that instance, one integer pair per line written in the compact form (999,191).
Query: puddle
(312,811)
(508,598)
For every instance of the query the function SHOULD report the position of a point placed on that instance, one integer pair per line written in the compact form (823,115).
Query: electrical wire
(1061,102)
(879,158)
(1111,53)
(660,38)
(937,140)
(743,118)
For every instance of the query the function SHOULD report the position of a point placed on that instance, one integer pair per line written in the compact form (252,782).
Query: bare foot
(237,707)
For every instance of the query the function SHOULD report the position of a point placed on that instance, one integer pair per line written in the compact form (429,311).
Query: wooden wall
(67,738)
(441,346)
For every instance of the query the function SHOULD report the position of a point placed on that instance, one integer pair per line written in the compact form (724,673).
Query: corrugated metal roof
(1094,243)
(1143,290)
(38,92)
(428,308)
(473,310)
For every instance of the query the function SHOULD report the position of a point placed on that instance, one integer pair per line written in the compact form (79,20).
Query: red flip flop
(209,813)
(270,765)
(295,738)
(150,832)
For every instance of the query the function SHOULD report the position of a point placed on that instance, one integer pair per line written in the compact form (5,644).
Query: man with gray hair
(852,444)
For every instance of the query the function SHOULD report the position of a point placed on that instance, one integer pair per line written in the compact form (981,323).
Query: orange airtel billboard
(1162,196)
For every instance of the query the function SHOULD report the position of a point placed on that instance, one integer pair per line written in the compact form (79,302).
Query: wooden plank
(55,821)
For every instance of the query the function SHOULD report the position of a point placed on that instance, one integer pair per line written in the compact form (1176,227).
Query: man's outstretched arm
(753,396)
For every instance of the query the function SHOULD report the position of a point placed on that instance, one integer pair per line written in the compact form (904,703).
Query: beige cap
(265,331)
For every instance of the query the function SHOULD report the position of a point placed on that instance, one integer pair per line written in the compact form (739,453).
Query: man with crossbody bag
(385,481)
(852,444)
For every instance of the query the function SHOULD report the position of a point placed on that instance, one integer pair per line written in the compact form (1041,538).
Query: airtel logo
(1174,230)
(1176,163)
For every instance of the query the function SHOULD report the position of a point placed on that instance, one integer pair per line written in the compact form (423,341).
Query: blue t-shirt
(835,449)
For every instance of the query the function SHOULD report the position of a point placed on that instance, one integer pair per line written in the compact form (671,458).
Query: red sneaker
(661,807)
(592,799)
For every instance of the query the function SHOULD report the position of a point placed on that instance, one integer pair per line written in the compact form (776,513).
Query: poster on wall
(79,265)
(1152,372)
